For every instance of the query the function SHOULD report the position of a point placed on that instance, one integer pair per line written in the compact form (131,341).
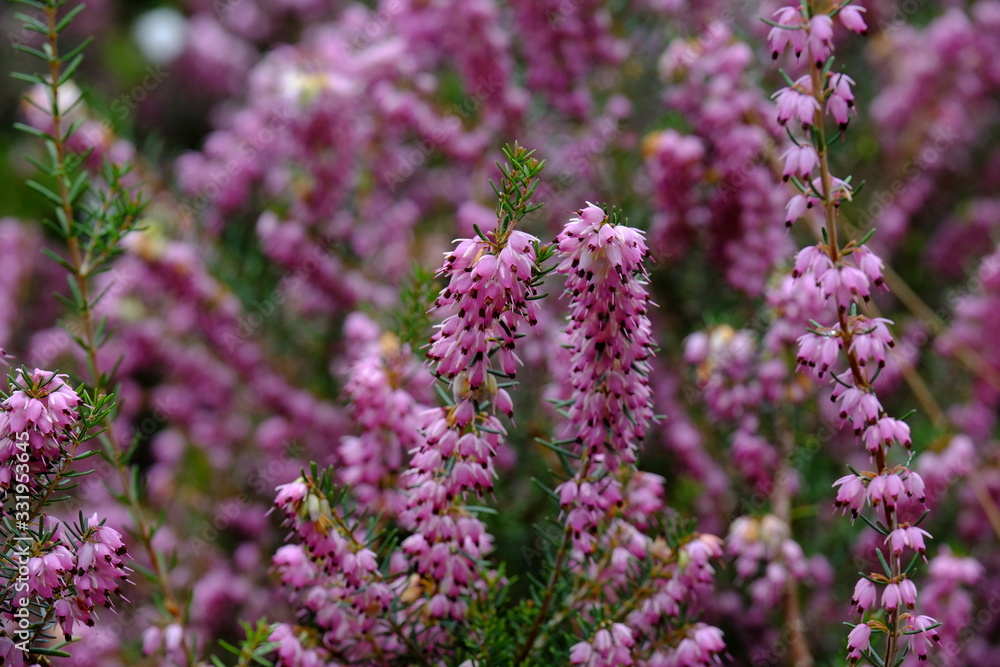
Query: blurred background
(309,161)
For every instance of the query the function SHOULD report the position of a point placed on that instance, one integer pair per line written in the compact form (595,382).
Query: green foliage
(253,650)
(412,320)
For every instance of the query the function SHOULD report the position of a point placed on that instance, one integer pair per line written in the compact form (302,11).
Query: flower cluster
(43,411)
(80,572)
(608,504)
(846,276)
(382,384)
(489,299)
(62,573)
(335,576)
(265,315)
(609,335)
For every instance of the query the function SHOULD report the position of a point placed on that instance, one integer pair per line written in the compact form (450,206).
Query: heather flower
(484,289)
(913,484)
(819,351)
(812,260)
(799,161)
(609,335)
(864,595)
(701,646)
(851,494)
(708,185)
(891,597)
(291,652)
(855,343)
(765,544)
(908,593)
(871,341)
(586,503)
(886,488)
(797,101)
(47,572)
(790,30)
(608,405)
(840,104)
(79,573)
(850,16)
(870,263)
(727,364)
(858,642)
(609,648)
(922,634)
(42,402)
(910,536)
(885,432)
(820,30)
(856,406)
(387,414)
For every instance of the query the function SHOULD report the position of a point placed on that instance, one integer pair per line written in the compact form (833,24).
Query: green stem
(82,270)
(550,587)
(860,377)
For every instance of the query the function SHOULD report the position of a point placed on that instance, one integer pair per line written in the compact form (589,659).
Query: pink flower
(44,403)
(856,405)
(797,102)
(702,644)
(843,283)
(608,648)
(886,488)
(908,593)
(871,342)
(892,597)
(800,161)
(291,495)
(851,494)
(911,536)
(790,31)
(864,595)
(581,653)
(870,263)
(820,38)
(923,633)
(811,259)
(819,352)
(840,104)
(796,208)
(295,566)
(914,485)
(858,642)
(850,16)
(609,335)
